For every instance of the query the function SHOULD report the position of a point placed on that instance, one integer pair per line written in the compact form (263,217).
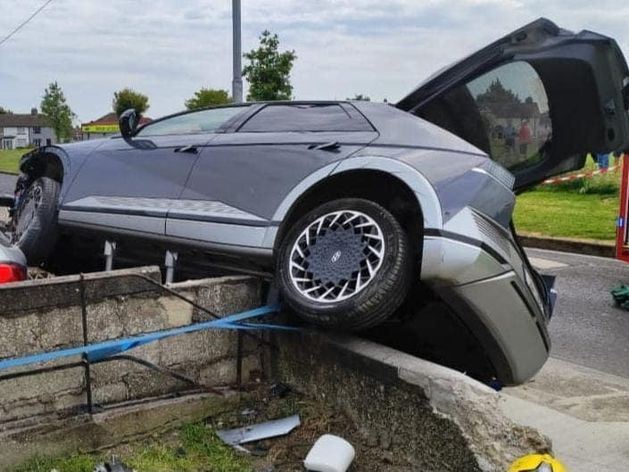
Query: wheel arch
(44,162)
(397,186)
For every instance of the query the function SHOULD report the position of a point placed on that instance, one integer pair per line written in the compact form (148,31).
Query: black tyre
(35,220)
(345,265)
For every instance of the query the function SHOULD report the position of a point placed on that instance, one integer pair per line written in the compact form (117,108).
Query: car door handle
(331,146)
(190,149)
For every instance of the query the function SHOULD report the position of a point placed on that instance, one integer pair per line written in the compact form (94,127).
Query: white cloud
(168,49)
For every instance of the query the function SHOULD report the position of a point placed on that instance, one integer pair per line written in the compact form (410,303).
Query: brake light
(11,273)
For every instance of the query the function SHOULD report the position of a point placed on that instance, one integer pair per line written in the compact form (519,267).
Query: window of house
(21,142)
(36,129)
(306,117)
(21,130)
(37,142)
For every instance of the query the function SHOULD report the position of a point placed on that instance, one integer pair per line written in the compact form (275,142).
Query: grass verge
(191,448)
(10,159)
(566,214)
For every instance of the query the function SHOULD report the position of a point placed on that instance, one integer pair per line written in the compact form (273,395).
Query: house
(24,130)
(106,125)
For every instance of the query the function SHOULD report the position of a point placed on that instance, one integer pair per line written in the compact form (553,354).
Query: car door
(536,100)
(128,185)
(236,186)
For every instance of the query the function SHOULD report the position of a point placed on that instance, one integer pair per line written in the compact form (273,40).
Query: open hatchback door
(537,101)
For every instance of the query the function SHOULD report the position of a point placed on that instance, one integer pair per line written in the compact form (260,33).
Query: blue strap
(102,350)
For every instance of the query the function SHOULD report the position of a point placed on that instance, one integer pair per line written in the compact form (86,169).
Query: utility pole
(237,50)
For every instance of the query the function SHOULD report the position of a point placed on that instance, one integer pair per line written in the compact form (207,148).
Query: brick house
(23,130)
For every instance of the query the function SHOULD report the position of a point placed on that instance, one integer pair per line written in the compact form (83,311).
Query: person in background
(602,160)
(524,137)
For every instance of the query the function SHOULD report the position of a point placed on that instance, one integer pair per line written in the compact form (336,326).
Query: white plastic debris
(330,454)
(259,431)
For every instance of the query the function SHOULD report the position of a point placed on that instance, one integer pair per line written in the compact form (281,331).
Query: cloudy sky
(167,49)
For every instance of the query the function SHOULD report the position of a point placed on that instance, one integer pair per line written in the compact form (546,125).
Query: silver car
(353,207)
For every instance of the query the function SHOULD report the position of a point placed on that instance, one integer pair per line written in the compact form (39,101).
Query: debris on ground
(621,296)
(330,454)
(193,447)
(113,466)
(260,431)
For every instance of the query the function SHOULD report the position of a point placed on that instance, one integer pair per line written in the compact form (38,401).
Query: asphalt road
(587,328)
(7,183)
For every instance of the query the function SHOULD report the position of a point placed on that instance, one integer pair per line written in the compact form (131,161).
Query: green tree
(497,98)
(268,71)
(5,111)
(206,97)
(57,111)
(360,97)
(129,98)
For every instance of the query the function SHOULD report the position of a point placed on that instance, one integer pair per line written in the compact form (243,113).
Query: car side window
(306,117)
(504,112)
(197,122)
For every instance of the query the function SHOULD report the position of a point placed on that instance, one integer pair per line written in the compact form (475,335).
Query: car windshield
(198,122)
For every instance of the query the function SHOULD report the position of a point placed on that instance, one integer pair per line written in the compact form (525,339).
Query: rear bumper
(496,295)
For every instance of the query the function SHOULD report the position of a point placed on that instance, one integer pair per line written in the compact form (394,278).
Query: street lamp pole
(237,51)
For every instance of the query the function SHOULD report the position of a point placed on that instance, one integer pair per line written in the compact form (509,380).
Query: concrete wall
(436,418)
(46,315)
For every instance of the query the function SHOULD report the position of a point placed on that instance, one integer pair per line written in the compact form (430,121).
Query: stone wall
(46,315)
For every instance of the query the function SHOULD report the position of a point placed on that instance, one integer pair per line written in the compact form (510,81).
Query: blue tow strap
(102,350)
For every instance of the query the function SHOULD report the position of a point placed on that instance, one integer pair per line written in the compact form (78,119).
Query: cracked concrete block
(111,393)
(103,321)
(178,312)
(142,315)
(224,371)
(226,295)
(203,345)
(19,336)
(61,328)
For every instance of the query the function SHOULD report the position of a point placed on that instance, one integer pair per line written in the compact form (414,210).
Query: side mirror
(128,122)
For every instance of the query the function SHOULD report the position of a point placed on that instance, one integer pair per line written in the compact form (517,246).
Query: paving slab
(583,411)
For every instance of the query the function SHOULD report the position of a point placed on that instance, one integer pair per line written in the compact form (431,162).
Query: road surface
(587,328)
(7,183)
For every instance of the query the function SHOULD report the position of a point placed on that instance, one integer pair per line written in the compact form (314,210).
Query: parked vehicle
(12,262)
(351,204)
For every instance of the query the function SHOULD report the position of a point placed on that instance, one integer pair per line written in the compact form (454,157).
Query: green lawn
(581,209)
(567,214)
(9,160)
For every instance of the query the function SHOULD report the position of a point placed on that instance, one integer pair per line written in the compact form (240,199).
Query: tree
(206,97)
(5,111)
(268,71)
(360,98)
(57,111)
(129,98)
(497,98)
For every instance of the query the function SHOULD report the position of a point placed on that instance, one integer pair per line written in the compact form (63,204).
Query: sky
(167,49)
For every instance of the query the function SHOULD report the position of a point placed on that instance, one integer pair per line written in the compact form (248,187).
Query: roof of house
(23,120)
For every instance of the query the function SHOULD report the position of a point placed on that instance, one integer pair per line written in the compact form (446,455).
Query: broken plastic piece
(330,454)
(259,431)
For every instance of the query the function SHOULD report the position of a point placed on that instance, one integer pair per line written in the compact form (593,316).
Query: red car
(12,262)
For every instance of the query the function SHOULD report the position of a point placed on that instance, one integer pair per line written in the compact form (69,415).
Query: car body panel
(584,65)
